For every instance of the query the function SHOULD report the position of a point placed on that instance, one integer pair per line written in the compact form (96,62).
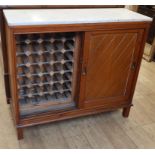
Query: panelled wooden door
(109,65)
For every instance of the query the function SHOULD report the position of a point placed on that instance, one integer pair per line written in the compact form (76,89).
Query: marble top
(18,17)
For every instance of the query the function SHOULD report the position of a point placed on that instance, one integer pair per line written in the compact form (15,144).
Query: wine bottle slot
(57,66)
(36,47)
(67,85)
(25,48)
(47,78)
(42,58)
(34,58)
(48,46)
(69,44)
(21,81)
(57,86)
(25,91)
(67,94)
(57,77)
(22,70)
(37,89)
(35,69)
(47,68)
(58,95)
(20,60)
(48,88)
(47,57)
(67,76)
(35,79)
(50,97)
(58,56)
(68,55)
(58,45)
(68,66)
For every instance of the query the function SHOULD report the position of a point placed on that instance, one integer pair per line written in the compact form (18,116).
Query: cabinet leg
(8,101)
(7,87)
(126,111)
(20,133)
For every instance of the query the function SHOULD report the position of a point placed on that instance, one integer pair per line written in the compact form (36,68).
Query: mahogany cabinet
(59,71)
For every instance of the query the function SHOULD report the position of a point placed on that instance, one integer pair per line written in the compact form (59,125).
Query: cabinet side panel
(12,73)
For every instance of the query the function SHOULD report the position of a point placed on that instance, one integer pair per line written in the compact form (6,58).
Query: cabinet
(59,71)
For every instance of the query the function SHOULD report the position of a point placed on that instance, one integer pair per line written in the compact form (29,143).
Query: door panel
(108,57)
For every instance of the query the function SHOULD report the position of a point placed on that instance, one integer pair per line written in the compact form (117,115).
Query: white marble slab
(71,16)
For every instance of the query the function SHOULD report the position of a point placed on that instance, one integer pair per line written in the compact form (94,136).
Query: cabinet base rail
(49,118)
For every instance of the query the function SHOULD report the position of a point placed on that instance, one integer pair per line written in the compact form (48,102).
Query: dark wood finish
(126,111)
(20,133)
(3,33)
(104,47)
(148,10)
(12,73)
(4,54)
(58,6)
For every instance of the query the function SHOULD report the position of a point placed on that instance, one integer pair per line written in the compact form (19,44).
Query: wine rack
(45,71)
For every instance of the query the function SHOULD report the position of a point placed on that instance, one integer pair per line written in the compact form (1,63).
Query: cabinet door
(109,65)
(46,71)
